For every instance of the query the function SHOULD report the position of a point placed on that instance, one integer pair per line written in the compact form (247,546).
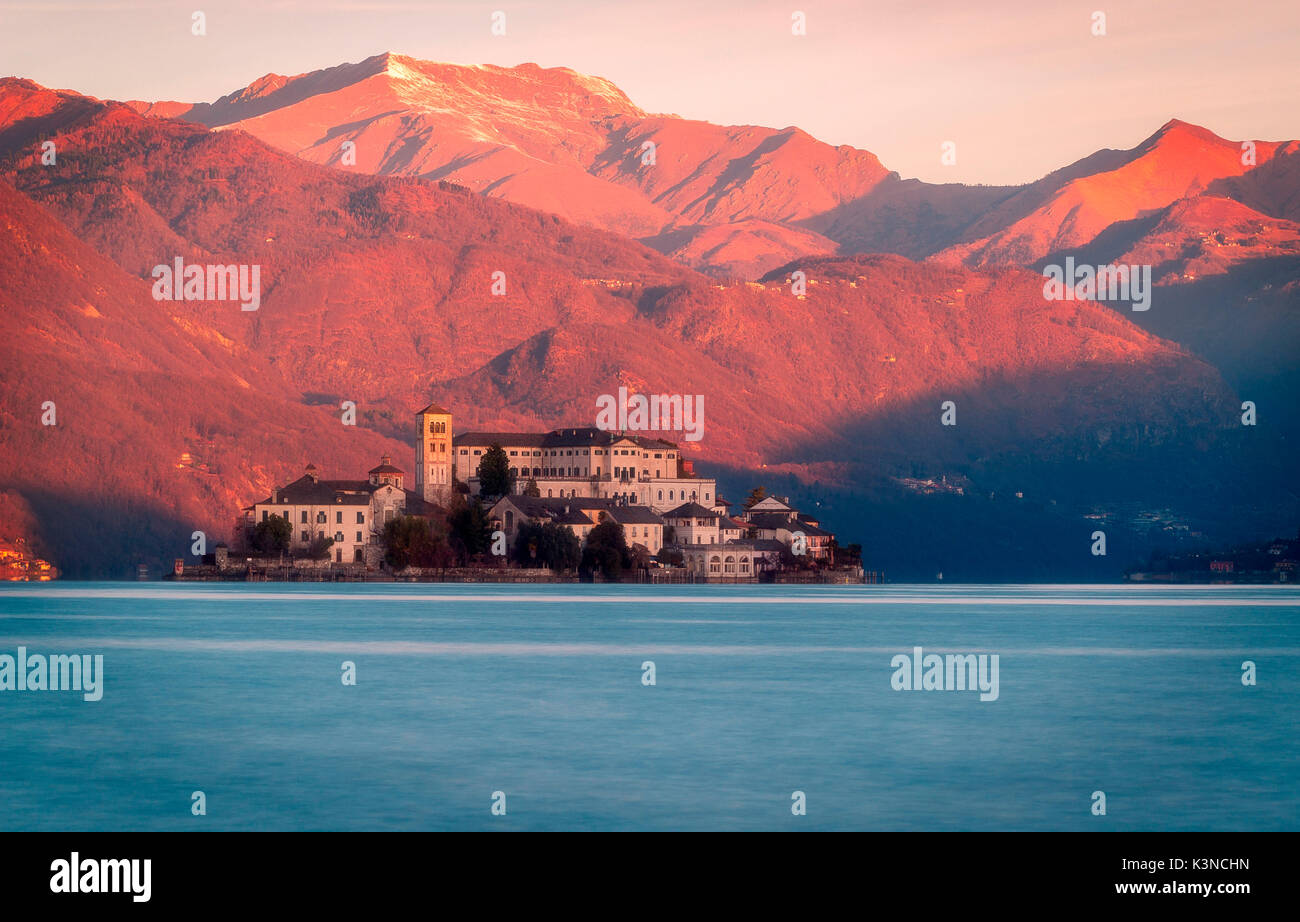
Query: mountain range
(669,274)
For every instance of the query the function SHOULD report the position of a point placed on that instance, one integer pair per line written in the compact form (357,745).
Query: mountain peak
(1176,132)
(560,86)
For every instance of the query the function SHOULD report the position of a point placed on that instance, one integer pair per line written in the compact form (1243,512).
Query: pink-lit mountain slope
(555,140)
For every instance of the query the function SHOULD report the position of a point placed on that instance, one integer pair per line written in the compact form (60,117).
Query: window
(320,518)
(361,518)
(661,494)
(338,537)
(306,536)
(338,519)
(264,514)
(359,539)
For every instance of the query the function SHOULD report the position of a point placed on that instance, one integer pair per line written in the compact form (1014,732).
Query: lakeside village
(561,506)
(1276,561)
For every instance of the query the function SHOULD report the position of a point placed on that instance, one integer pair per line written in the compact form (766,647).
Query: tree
(411,541)
(531,488)
(470,533)
(272,535)
(640,555)
(494,477)
(756,495)
(319,549)
(671,557)
(547,545)
(606,550)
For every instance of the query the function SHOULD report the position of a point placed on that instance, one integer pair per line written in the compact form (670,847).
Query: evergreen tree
(606,550)
(494,477)
(272,535)
(470,532)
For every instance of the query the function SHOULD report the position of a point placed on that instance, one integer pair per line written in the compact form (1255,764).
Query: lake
(533,698)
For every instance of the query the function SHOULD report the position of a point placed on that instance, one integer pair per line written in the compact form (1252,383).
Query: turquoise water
(536,692)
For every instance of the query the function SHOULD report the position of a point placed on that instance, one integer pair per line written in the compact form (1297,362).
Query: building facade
(352,513)
(590,463)
(641,525)
(434,462)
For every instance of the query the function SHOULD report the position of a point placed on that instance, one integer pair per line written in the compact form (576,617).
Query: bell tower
(433,454)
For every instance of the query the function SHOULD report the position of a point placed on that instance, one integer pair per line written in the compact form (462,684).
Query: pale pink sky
(1021,87)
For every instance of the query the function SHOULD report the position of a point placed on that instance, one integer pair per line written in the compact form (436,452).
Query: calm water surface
(536,691)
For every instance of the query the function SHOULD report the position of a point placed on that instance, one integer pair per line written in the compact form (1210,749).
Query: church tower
(433,454)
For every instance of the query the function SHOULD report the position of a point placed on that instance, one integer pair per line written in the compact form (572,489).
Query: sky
(1020,88)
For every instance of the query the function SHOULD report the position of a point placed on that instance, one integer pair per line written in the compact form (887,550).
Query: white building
(591,463)
(351,512)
